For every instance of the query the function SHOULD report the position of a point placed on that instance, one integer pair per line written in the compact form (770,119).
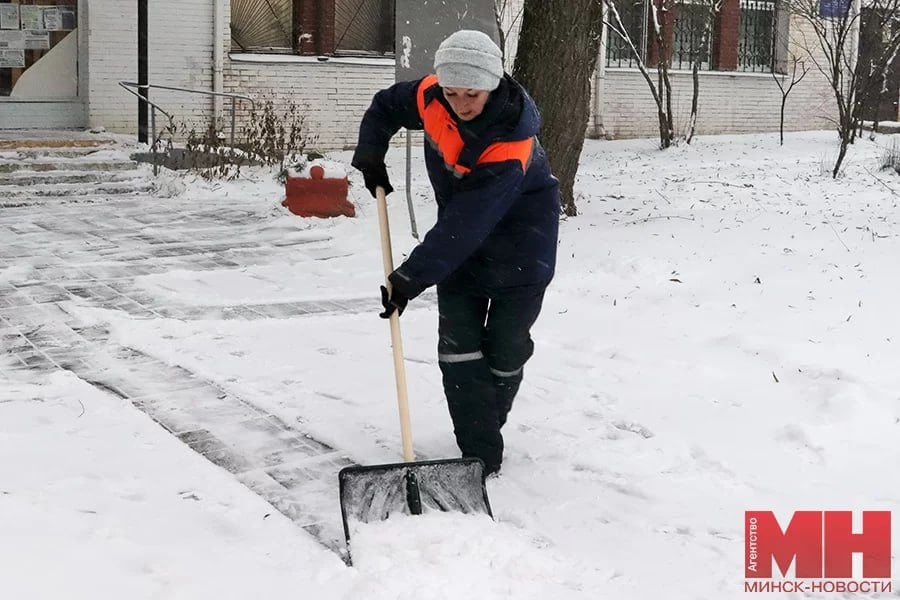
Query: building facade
(74,82)
(329,57)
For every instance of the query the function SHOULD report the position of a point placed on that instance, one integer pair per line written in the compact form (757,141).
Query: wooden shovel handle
(396,340)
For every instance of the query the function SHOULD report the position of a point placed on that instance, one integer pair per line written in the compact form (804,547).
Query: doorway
(882,104)
(41,72)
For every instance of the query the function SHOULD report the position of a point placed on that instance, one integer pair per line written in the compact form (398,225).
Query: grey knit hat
(469,59)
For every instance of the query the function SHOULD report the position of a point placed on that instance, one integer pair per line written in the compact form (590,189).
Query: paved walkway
(89,254)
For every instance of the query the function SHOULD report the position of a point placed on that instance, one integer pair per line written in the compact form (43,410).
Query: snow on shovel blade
(373,493)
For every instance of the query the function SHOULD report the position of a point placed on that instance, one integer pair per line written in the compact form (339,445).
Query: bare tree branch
(661,90)
(854,79)
(785,91)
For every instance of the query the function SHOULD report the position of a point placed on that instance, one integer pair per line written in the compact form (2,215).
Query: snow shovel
(375,492)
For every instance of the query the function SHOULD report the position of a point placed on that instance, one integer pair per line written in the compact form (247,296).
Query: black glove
(369,160)
(376,175)
(395,301)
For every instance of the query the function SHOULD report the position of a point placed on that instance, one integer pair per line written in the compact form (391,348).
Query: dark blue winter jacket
(498,202)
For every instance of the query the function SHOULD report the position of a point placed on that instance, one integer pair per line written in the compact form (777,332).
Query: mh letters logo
(820,545)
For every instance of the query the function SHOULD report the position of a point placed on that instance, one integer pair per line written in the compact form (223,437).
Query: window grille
(756,39)
(693,36)
(352,27)
(364,26)
(261,25)
(634,17)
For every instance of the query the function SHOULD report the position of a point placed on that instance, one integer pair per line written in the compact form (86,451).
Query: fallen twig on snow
(645,219)
(879,180)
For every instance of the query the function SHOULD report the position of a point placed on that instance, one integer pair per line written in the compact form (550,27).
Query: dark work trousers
(483,344)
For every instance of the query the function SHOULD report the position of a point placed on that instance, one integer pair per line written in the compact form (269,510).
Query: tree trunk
(665,139)
(695,99)
(781,121)
(558,48)
(840,159)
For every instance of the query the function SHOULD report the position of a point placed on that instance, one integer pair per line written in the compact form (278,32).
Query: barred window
(692,22)
(756,39)
(353,27)
(261,25)
(634,15)
(364,26)
(693,35)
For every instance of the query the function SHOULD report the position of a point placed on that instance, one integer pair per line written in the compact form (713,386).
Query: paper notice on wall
(37,40)
(12,59)
(12,40)
(52,19)
(32,17)
(69,17)
(9,16)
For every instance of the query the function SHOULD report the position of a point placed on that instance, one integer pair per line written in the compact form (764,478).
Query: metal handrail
(127,85)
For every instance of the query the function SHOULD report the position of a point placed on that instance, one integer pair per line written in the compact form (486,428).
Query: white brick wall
(112,57)
(728,102)
(181,55)
(332,95)
(180,50)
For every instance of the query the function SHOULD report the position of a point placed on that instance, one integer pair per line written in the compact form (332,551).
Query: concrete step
(25,153)
(74,190)
(44,164)
(63,166)
(55,137)
(33,178)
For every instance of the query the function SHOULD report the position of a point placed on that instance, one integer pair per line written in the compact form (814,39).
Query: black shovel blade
(373,493)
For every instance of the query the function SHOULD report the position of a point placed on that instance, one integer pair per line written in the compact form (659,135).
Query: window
(741,36)
(693,35)
(261,25)
(319,27)
(633,13)
(879,27)
(756,38)
(364,26)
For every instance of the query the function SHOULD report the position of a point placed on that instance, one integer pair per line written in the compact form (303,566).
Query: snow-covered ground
(722,335)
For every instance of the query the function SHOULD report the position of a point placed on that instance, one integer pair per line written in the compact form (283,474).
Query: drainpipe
(856,15)
(218,58)
(596,130)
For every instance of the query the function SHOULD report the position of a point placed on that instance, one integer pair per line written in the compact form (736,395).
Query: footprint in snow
(610,480)
(795,435)
(635,428)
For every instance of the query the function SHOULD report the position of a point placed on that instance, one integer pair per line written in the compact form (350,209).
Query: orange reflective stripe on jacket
(442,134)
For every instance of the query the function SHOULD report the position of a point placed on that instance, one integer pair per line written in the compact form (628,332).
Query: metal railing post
(153,124)
(153,132)
(233,118)
(409,200)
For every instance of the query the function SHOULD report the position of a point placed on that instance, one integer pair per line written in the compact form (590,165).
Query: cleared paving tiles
(55,254)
